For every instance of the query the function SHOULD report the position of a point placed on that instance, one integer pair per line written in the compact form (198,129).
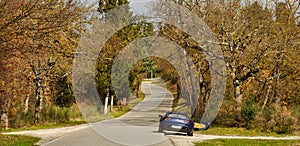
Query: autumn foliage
(260,44)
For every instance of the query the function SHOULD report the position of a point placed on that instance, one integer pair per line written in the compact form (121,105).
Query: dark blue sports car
(176,121)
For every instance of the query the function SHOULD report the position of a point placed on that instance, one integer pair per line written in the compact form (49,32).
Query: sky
(95,1)
(139,6)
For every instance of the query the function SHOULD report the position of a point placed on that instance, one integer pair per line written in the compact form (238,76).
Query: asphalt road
(137,127)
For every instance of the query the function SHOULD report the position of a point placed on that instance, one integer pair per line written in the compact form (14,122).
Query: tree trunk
(178,90)
(4,120)
(38,102)
(267,96)
(238,95)
(202,98)
(190,84)
(137,88)
(26,104)
(237,85)
(277,75)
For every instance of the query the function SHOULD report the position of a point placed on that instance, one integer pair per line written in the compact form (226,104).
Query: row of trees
(259,42)
(37,43)
(260,45)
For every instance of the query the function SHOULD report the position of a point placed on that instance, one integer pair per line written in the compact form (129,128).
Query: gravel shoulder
(48,135)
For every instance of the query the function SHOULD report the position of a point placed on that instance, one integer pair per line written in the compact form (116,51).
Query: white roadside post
(111,103)
(106,102)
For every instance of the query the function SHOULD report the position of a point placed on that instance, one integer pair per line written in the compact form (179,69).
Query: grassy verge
(116,113)
(47,126)
(147,81)
(248,142)
(240,132)
(17,140)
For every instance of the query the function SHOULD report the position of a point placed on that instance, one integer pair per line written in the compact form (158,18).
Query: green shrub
(22,120)
(248,112)
(275,118)
(62,115)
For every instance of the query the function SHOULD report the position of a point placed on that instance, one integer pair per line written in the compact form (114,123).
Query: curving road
(137,127)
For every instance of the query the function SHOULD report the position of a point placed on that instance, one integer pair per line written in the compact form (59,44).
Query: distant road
(137,127)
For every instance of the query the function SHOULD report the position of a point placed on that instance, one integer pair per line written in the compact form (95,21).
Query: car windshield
(176,115)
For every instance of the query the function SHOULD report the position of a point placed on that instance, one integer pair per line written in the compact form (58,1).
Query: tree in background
(40,75)
(115,44)
(106,5)
(64,93)
(149,66)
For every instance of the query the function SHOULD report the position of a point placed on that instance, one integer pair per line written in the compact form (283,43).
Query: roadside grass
(147,80)
(136,101)
(17,140)
(114,114)
(240,132)
(131,104)
(127,108)
(119,113)
(248,142)
(47,126)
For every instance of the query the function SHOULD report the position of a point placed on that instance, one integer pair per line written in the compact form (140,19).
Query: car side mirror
(160,116)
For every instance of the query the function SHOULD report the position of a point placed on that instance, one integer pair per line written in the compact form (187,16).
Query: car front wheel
(160,129)
(190,133)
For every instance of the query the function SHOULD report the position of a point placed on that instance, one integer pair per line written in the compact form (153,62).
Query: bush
(248,113)
(276,119)
(227,115)
(22,120)
(285,122)
(62,115)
